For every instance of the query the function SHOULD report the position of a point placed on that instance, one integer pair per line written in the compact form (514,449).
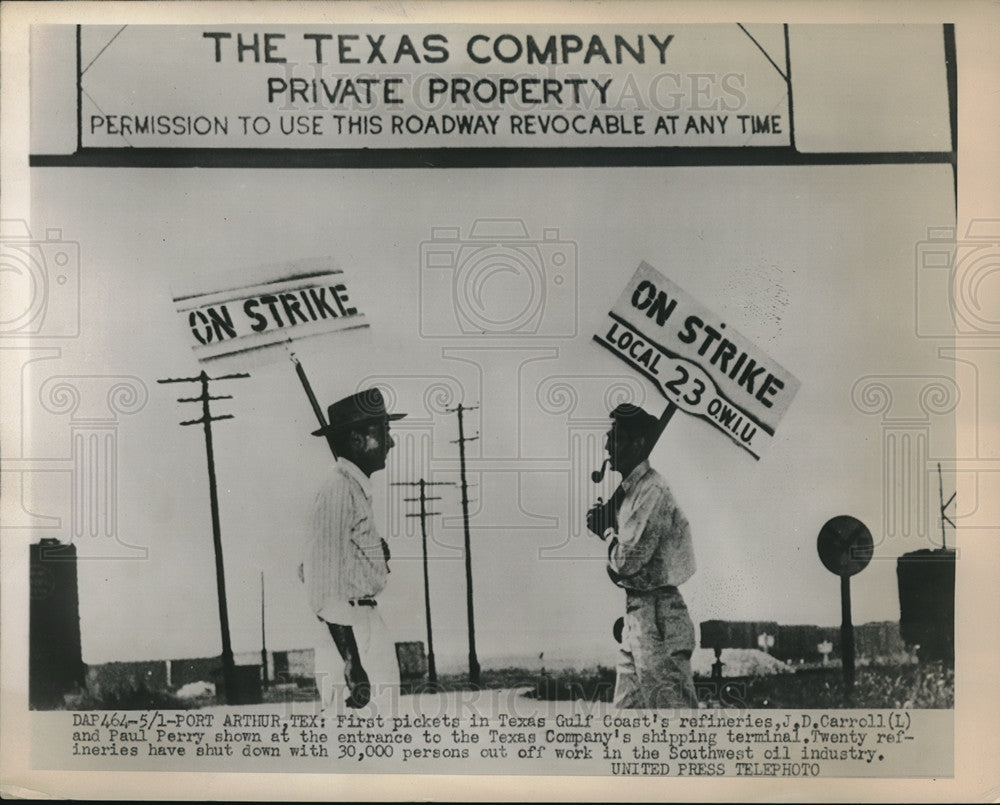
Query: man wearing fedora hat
(649,555)
(346,561)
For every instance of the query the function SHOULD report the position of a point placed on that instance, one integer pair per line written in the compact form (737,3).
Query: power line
(263,636)
(423,515)
(944,505)
(462,439)
(206,420)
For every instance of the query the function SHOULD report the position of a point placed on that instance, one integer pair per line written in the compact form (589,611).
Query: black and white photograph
(409,400)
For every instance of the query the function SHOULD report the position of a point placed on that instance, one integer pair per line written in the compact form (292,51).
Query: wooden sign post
(845,548)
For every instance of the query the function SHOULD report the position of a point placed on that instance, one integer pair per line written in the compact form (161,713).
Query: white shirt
(652,546)
(343,559)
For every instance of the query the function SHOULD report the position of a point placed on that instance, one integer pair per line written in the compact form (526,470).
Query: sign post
(845,548)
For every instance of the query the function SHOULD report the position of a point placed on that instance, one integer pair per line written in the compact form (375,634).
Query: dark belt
(667,590)
(363,602)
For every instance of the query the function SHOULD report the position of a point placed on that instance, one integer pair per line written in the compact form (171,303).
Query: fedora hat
(365,406)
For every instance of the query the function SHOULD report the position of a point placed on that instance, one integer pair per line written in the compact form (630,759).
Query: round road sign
(845,545)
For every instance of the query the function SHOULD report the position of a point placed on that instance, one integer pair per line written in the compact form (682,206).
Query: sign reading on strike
(300,304)
(698,363)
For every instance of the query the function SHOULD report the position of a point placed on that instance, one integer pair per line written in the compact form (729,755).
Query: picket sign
(299,300)
(698,363)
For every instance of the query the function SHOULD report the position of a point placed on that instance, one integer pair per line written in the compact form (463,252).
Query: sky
(814,265)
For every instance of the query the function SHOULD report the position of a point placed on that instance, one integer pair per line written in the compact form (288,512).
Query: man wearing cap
(346,561)
(649,555)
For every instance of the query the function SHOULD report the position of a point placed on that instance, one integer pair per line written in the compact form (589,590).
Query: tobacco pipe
(598,475)
(603,514)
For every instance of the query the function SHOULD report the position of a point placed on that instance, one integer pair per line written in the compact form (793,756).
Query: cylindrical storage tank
(55,662)
(927,602)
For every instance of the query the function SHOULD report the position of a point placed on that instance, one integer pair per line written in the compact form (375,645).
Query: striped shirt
(652,547)
(343,559)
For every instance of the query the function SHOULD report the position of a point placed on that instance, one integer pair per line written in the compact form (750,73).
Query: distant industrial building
(55,663)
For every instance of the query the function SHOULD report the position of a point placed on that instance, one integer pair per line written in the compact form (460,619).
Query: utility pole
(944,506)
(462,439)
(423,515)
(263,635)
(206,420)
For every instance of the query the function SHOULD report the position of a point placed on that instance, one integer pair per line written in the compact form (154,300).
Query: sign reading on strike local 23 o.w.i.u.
(698,363)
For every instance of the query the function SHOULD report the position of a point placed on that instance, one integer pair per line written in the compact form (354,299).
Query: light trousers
(654,667)
(378,657)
